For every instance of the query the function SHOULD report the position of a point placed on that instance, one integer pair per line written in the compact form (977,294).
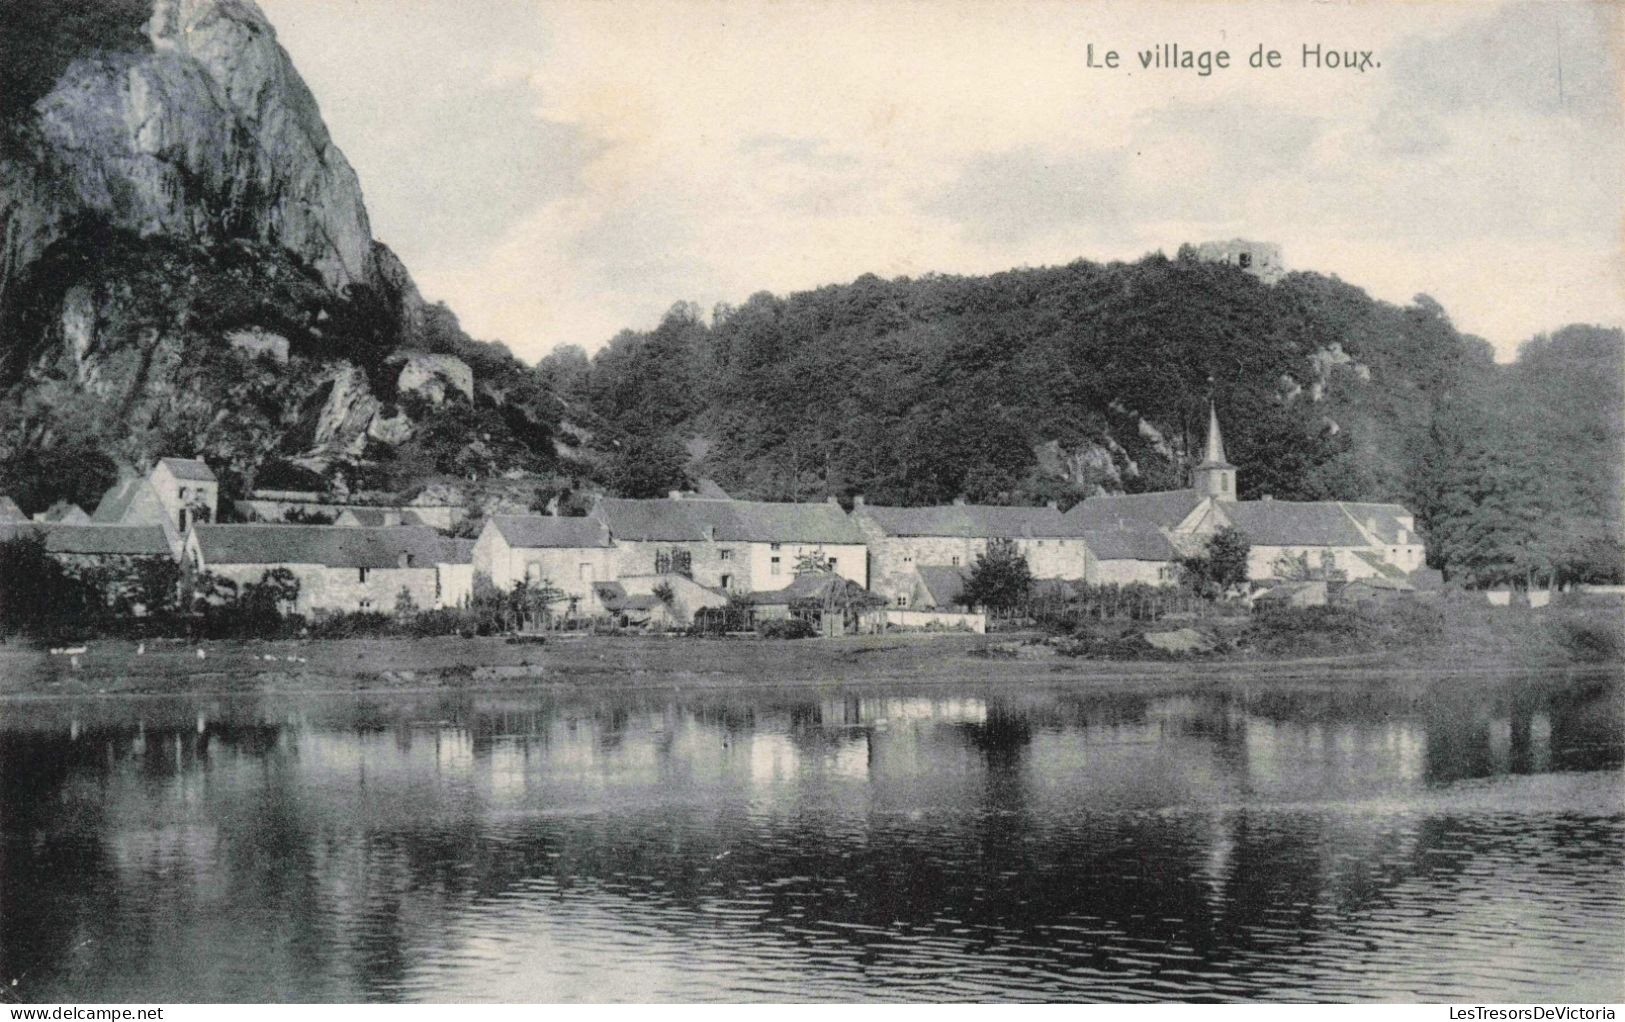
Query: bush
(785,628)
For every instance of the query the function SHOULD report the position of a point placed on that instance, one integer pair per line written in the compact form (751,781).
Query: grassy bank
(1322,648)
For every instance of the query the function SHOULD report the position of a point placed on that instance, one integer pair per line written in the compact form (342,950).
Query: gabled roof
(727,521)
(532,531)
(1383,567)
(1131,543)
(943,582)
(709,488)
(64,512)
(334,546)
(1163,509)
(1294,523)
(190,469)
(125,540)
(976,521)
(379,517)
(9,511)
(116,501)
(1387,520)
(812,585)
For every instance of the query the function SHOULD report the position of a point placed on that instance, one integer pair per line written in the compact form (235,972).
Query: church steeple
(1215,477)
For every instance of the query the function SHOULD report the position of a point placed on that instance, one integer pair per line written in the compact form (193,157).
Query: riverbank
(116,667)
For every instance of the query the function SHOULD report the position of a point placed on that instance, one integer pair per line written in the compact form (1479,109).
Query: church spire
(1214,477)
(1214,455)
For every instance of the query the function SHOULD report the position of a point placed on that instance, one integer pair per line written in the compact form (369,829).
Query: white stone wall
(342,589)
(1127,572)
(505,565)
(1050,557)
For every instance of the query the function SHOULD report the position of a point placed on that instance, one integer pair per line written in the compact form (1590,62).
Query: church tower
(1214,477)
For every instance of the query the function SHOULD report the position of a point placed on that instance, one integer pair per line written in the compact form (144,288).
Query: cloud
(559,172)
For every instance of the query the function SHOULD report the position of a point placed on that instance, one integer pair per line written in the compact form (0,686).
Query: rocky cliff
(168,189)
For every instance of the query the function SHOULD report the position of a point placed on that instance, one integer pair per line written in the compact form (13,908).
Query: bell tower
(1214,477)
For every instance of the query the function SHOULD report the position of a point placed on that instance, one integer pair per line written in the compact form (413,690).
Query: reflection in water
(1303,843)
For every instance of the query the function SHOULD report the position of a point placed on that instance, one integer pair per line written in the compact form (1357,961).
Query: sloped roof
(191,469)
(979,521)
(127,540)
(709,488)
(116,501)
(64,512)
(335,546)
(533,531)
(943,582)
(379,517)
(812,585)
(9,511)
(1387,519)
(1294,523)
(1383,567)
(729,521)
(1163,509)
(1131,543)
(1400,584)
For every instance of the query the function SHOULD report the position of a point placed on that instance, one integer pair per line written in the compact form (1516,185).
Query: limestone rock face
(433,376)
(345,416)
(210,134)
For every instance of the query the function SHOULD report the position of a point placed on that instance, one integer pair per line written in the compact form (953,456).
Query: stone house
(902,539)
(1131,554)
(634,599)
(339,569)
(376,517)
(1262,259)
(174,495)
(732,545)
(573,554)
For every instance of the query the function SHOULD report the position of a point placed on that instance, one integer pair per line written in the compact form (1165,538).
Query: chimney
(857,501)
(675,494)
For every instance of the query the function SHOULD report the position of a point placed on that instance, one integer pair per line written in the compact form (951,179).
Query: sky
(558,172)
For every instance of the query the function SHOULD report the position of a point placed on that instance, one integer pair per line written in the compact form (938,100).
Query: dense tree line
(917,391)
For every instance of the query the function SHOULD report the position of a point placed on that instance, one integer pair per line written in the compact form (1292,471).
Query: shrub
(785,628)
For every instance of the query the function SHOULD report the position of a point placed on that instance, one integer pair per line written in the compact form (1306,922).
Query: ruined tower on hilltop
(1262,259)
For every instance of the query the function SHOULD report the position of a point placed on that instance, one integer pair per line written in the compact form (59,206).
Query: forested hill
(1062,382)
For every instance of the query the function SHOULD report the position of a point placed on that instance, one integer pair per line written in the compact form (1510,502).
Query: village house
(64,513)
(661,600)
(376,517)
(1128,554)
(339,569)
(1358,540)
(95,545)
(174,495)
(902,539)
(732,545)
(572,554)
(10,513)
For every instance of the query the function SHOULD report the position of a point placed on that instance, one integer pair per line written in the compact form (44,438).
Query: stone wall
(1262,259)
(342,589)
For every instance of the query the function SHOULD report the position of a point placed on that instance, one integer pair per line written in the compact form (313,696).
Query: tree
(1221,567)
(1000,579)
(812,562)
(648,466)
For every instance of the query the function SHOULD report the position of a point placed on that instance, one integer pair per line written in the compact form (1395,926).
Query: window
(1244,260)
(832,563)
(361,575)
(725,555)
(773,566)
(772,546)
(908,558)
(365,604)
(437,583)
(956,561)
(585,571)
(902,601)
(727,581)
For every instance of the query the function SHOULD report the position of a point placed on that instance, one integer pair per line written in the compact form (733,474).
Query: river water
(1236,842)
